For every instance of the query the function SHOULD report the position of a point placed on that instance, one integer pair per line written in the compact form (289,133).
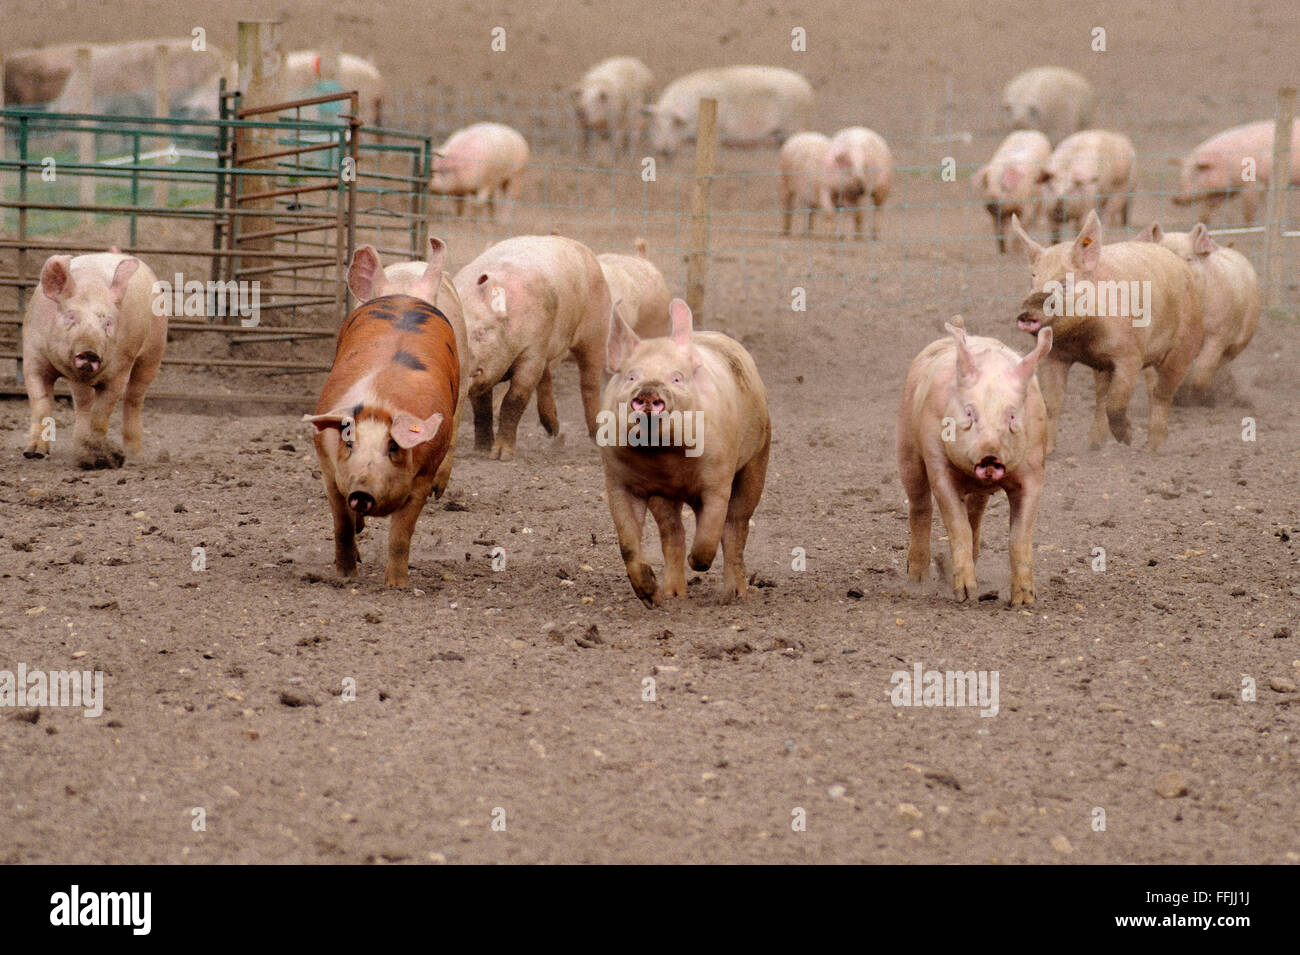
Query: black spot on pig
(407,360)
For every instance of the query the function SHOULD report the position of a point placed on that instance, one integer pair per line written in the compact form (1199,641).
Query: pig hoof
(1022,597)
(700,564)
(34,453)
(502,453)
(101,458)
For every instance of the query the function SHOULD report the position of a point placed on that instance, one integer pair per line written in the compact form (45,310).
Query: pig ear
(121,276)
(331,419)
(680,313)
(364,273)
(430,281)
(981,178)
(1025,370)
(1010,177)
(56,277)
(1152,233)
(1202,242)
(1086,251)
(1032,249)
(408,430)
(437,253)
(842,160)
(622,340)
(494,294)
(965,361)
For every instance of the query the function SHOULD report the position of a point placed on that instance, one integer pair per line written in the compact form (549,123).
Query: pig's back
(404,348)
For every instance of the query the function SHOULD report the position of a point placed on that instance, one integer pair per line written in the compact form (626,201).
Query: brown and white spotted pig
(383,422)
(425,280)
(92,321)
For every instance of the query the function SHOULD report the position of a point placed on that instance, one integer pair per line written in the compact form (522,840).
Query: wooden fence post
(84,77)
(260,59)
(1275,214)
(161,109)
(697,261)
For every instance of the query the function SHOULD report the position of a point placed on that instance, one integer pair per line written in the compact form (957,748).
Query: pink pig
(1238,160)
(971,422)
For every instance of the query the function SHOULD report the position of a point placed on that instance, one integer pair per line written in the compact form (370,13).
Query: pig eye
(394,448)
(970,414)
(677,378)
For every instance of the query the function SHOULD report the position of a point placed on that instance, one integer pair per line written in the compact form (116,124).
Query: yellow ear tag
(416,428)
(1087,242)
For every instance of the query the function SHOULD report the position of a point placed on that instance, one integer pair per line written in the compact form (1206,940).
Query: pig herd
(681,416)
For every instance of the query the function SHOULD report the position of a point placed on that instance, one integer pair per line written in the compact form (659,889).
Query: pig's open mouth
(990,469)
(1029,322)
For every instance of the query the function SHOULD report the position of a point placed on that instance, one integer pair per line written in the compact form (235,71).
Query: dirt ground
(517,695)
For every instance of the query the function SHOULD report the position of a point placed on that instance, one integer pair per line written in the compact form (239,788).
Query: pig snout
(361,502)
(1031,317)
(990,469)
(648,401)
(87,362)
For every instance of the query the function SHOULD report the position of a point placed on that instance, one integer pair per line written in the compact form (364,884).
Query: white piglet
(609,98)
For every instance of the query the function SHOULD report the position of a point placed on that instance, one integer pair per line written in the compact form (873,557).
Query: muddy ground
(522,689)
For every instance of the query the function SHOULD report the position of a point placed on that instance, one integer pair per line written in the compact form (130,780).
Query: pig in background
(382,425)
(93,321)
(609,100)
(757,105)
(368,281)
(122,74)
(485,160)
(302,77)
(1092,170)
(701,377)
(1229,307)
(971,422)
(1051,99)
(820,173)
(1145,311)
(1011,182)
(1215,170)
(529,300)
(635,282)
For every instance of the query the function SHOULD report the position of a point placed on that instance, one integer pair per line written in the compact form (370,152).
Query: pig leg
(481,401)
(1201,375)
(746,490)
(591,360)
(920,507)
(1169,375)
(460,205)
(40,394)
(787,208)
(1024,514)
(142,376)
(1100,424)
(628,512)
(1051,379)
(1249,202)
(94,407)
(345,534)
(875,218)
(1123,377)
(953,512)
(523,382)
(975,504)
(710,518)
(672,533)
(400,529)
(546,412)
(443,477)
(999,231)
